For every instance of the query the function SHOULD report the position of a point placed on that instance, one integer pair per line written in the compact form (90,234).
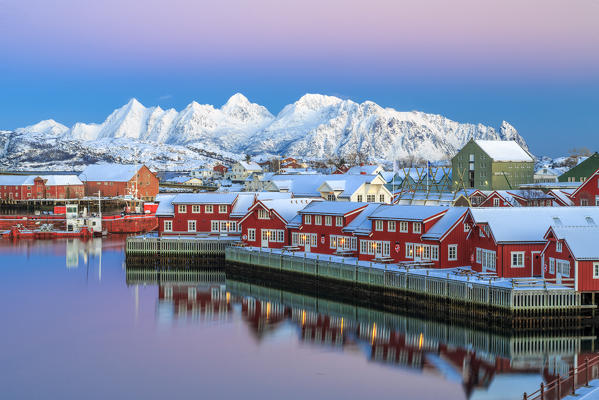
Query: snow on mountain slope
(316,126)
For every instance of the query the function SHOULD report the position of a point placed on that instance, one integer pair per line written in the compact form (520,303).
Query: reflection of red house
(263,316)
(196,300)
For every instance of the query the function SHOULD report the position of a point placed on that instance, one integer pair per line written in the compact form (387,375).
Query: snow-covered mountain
(314,127)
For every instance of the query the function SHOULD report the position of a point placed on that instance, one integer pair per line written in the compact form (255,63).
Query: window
(466,227)
(232,226)
(265,234)
(331,197)
(251,234)
(481,231)
(195,209)
(363,246)
(517,259)
(318,220)
(391,226)
(263,214)
(381,198)
(354,243)
(222,209)
(403,226)
(435,253)
(563,267)
(378,225)
(314,240)
(409,250)
(386,249)
(191,226)
(333,241)
(182,208)
(370,198)
(595,270)
(552,266)
(294,238)
(224,226)
(209,208)
(417,227)
(452,252)
(558,246)
(495,202)
(338,221)
(597,199)
(359,198)
(280,236)
(328,220)
(213,226)
(479,255)
(584,202)
(168,226)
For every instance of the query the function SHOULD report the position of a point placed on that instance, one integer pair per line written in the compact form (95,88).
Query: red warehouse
(193,213)
(24,187)
(587,194)
(63,187)
(572,255)
(395,233)
(509,241)
(319,227)
(265,224)
(113,180)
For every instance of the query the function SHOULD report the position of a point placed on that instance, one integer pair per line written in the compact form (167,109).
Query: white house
(243,169)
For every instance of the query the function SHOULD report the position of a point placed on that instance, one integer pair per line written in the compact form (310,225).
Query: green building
(582,171)
(492,165)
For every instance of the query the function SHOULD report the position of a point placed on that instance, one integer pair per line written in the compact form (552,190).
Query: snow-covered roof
(205,198)
(295,222)
(561,195)
(581,240)
(287,208)
(300,185)
(407,213)
(60,180)
(453,215)
(361,225)
(246,199)
(16,180)
(529,224)
(109,172)
(165,204)
(250,166)
(364,169)
(504,150)
(180,179)
(332,207)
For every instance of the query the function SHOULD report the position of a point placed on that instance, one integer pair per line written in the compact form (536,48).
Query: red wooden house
(21,187)
(449,234)
(63,187)
(509,241)
(587,194)
(193,213)
(265,224)
(518,198)
(394,233)
(113,180)
(319,226)
(572,253)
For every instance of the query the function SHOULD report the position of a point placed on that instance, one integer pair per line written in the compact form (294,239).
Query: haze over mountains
(314,127)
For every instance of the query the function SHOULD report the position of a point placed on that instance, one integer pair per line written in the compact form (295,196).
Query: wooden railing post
(542,391)
(586,371)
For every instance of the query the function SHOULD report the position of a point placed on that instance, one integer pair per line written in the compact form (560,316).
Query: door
(537,264)
(378,250)
(417,252)
(264,238)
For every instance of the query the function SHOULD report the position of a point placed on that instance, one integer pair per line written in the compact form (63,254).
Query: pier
(447,285)
(152,245)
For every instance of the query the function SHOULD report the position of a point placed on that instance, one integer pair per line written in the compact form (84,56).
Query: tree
(248,158)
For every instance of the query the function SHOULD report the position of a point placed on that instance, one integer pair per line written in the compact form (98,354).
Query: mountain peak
(47,126)
(314,101)
(237,99)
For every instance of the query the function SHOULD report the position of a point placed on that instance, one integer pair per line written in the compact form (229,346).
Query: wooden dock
(443,285)
(179,246)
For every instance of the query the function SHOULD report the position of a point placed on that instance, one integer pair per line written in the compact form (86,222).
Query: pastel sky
(534,63)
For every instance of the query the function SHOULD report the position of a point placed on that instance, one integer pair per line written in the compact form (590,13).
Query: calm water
(76,323)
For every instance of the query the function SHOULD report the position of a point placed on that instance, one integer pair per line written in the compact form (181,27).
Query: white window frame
(391,226)
(222,208)
(416,227)
(214,226)
(314,240)
(328,220)
(338,221)
(195,209)
(363,246)
(381,198)
(386,249)
(563,266)
(518,254)
(409,250)
(370,198)
(208,208)
(359,198)
(252,234)
(168,226)
(280,236)
(596,270)
(558,246)
(466,227)
(403,227)
(263,214)
(378,225)
(318,220)
(435,253)
(294,238)
(307,219)
(496,202)
(190,223)
(452,248)
(332,241)
(552,265)
(182,209)
(479,255)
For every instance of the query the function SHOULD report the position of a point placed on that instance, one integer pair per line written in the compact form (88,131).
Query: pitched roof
(286,208)
(504,150)
(109,172)
(338,208)
(165,204)
(581,240)
(407,213)
(250,166)
(363,169)
(529,224)
(246,199)
(361,225)
(449,219)
(16,180)
(205,198)
(59,180)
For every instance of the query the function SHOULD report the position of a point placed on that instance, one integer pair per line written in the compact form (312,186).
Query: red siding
(145,182)
(588,192)
(252,221)
(324,232)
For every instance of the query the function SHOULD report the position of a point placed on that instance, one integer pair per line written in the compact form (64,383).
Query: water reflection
(486,364)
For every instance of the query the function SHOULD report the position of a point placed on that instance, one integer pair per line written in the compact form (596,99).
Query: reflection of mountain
(483,362)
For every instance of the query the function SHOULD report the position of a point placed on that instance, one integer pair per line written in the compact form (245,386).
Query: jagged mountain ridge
(314,127)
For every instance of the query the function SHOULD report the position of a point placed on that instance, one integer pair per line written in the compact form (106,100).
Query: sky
(533,63)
